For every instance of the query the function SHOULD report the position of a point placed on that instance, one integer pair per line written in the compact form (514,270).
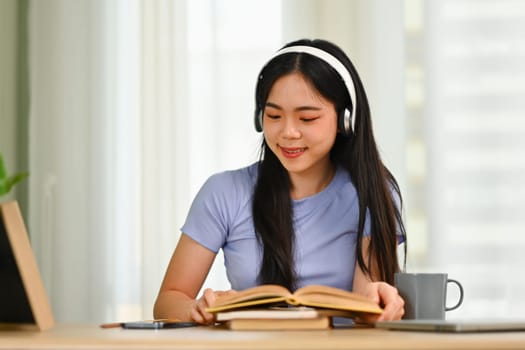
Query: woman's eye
(308,120)
(273,116)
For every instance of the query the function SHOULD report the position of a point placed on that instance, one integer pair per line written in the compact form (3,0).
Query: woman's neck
(313,181)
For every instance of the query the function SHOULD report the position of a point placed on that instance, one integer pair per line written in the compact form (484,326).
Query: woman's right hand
(178,296)
(209,296)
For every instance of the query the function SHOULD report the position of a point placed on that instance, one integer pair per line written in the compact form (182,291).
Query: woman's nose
(291,129)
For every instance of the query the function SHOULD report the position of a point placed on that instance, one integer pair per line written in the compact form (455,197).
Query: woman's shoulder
(241,177)
(245,173)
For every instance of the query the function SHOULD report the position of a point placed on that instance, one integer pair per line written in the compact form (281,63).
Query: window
(465,86)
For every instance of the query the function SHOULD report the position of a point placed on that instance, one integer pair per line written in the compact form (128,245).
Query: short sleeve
(397,203)
(208,217)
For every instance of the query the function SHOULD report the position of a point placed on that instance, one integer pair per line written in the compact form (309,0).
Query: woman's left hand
(387,297)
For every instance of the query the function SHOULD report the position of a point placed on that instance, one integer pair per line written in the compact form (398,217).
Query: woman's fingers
(208,298)
(394,305)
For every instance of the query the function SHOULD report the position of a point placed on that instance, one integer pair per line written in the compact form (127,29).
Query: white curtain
(133,105)
(85,165)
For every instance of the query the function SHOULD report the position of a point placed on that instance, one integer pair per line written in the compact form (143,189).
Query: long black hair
(358,154)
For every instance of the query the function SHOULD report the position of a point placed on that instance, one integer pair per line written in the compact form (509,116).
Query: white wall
(8,85)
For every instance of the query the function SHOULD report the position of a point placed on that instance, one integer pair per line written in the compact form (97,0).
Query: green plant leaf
(7,182)
(3,187)
(13,180)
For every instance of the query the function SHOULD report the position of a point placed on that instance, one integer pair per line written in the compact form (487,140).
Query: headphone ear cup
(344,121)
(258,119)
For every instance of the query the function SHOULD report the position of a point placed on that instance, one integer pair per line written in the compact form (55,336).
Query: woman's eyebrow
(297,109)
(273,105)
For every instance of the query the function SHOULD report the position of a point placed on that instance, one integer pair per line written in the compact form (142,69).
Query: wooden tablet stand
(23,300)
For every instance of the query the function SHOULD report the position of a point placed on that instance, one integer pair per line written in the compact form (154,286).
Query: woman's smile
(292,152)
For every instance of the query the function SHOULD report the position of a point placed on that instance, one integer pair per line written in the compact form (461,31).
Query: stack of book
(310,307)
(274,318)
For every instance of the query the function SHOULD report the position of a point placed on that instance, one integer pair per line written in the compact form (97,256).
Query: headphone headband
(335,64)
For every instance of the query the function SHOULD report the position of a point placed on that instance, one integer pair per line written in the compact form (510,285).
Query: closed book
(283,324)
(268,313)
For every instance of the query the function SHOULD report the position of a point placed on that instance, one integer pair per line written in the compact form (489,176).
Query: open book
(315,296)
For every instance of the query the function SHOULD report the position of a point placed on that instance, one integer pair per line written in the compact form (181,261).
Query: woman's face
(299,125)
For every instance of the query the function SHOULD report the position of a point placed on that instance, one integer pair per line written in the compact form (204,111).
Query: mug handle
(460,295)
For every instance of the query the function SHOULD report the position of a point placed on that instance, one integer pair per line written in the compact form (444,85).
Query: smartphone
(157,324)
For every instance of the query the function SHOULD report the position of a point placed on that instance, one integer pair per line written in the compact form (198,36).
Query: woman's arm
(185,275)
(381,292)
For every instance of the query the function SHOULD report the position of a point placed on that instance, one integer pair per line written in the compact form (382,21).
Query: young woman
(319,207)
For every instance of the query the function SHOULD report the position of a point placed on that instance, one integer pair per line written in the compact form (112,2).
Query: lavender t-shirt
(325,227)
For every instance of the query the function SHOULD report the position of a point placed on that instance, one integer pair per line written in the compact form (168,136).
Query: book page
(330,297)
(258,292)
(264,294)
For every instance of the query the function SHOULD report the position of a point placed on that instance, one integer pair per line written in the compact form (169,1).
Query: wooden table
(93,337)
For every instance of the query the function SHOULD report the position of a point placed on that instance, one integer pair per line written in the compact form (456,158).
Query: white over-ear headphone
(346,119)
